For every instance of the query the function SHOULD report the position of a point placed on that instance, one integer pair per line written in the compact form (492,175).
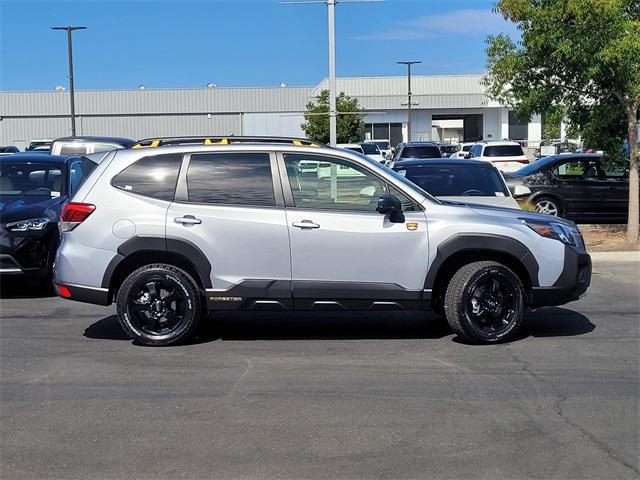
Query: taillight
(73,214)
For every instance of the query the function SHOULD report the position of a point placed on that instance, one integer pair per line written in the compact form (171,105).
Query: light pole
(331,12)
(408,64)
(70,29)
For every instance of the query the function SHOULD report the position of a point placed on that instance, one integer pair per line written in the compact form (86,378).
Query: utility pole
(331,12)
(70,29)
(408,64)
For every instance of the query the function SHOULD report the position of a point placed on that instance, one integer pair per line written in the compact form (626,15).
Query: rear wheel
(548,205)
(484,302)
(159,305)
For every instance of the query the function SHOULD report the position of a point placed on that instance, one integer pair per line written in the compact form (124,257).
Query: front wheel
(548,205)
(159,305)
(484,302)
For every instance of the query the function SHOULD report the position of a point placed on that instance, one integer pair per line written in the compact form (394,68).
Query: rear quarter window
(154,176)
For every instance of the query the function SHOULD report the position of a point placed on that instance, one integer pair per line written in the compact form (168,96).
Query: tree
(350,124)
(582,55)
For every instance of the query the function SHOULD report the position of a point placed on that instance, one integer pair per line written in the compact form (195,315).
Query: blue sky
(165,44)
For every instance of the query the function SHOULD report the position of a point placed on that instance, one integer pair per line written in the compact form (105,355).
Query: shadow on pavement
(556,322)
(13,287)
(243,326)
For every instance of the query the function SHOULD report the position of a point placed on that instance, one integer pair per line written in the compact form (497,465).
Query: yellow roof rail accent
(154,143)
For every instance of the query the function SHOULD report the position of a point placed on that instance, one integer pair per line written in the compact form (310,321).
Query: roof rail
(222,140)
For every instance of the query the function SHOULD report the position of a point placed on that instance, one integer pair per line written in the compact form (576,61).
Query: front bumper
(27,254)
(572,284)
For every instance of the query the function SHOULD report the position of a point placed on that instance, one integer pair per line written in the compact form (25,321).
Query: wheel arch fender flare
(186,251)
(478,246)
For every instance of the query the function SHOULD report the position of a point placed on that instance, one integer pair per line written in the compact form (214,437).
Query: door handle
(305,224)
(187,220)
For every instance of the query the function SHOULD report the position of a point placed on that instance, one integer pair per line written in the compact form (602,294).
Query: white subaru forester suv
(172,232)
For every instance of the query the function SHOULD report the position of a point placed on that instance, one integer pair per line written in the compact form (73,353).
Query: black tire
(484,302)
(549,206)
(159,305)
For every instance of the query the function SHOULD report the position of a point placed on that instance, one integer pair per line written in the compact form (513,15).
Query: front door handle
(187,220)
(305,224)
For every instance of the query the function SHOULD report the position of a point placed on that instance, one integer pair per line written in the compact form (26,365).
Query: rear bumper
(572,284)
(81,293)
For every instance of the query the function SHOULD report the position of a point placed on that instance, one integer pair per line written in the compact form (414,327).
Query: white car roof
(499,142)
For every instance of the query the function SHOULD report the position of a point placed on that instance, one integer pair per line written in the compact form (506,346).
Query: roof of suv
(497,142)
(125,142)
(420,144)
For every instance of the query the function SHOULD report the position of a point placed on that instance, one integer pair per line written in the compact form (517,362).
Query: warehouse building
(450,108)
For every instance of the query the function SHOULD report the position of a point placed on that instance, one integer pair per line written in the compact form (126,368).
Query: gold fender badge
(412,226)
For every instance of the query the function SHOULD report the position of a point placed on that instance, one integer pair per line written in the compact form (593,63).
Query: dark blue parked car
(33,188)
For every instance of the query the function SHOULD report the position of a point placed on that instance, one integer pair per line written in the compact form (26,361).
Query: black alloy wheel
(490,302)
(159,305)
(156,306)
(485,302)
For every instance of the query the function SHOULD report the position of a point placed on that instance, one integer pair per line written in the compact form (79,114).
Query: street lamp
(70,29)
(408,64)
(331,11)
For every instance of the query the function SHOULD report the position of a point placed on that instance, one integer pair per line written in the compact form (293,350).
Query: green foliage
(350,125)
(580,55)
(551,122)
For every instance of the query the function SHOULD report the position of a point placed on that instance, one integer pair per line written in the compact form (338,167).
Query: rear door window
(231,179)
(154,176)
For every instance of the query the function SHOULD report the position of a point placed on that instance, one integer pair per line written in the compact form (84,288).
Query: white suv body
(507,156)
(168,232)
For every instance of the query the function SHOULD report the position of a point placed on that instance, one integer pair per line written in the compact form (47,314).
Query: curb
(628,256)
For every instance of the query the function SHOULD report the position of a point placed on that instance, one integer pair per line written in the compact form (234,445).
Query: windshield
(503,151)
(457,180)
(33,179)
(370,149)
(421,152)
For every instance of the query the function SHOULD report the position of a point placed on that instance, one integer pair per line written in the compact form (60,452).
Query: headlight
(557,231)
(27,225)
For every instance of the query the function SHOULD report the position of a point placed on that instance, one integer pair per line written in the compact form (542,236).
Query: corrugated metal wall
(216,111)
(148,101)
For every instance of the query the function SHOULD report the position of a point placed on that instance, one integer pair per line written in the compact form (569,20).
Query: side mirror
(390,205)
(520,191)
(467,156)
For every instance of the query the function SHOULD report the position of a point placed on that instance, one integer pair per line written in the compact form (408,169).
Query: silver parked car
(171,232)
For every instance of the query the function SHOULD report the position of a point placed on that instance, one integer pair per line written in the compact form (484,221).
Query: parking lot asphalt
(315,396)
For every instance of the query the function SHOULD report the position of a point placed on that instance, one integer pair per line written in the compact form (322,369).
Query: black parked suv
(33,188)
(576,186)
(416,151)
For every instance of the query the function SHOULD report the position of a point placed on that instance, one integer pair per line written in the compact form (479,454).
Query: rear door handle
(305,224)
(187,220)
